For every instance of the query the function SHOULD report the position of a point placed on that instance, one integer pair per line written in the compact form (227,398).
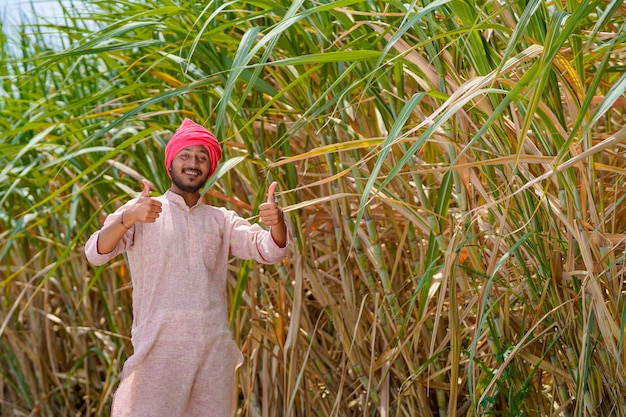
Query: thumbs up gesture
(144,210)
(273,217)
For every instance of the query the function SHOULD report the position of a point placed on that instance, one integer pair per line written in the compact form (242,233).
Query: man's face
(190,169)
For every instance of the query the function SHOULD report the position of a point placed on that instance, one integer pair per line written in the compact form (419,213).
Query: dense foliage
(453,173)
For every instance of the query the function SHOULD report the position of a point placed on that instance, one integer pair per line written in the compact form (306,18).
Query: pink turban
(189,134)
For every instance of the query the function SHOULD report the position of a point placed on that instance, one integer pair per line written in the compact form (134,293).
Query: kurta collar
(176,198)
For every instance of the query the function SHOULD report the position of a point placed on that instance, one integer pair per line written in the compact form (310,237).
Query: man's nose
(195,162)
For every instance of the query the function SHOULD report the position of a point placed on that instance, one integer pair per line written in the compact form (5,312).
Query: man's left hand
(273,217)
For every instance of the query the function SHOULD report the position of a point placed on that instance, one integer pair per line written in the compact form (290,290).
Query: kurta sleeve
(251,241)
(91,247)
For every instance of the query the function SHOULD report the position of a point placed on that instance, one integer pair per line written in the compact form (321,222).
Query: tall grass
(453,175)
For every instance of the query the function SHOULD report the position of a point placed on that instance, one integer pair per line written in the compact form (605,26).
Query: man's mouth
(192,172)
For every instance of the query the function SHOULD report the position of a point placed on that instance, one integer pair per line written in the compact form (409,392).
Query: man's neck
(191,199)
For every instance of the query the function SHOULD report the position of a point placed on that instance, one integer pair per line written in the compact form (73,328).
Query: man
(184,358)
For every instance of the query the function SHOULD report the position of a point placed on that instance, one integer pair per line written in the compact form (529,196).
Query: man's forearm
(279,234)
(110,235)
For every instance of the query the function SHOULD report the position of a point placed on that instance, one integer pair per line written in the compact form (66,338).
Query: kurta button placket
(193,239)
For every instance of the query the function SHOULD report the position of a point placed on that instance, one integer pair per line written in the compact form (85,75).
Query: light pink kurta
(184,358)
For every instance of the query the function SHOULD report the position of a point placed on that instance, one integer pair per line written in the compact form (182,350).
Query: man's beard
(187,188)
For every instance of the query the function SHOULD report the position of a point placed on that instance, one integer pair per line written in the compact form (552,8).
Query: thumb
(270,192)
(146,188)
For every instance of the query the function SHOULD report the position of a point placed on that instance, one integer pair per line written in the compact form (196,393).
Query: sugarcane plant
(452,173)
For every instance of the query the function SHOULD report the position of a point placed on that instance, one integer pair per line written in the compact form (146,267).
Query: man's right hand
(144,210)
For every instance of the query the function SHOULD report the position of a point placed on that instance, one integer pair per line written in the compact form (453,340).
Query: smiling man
(184,358)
